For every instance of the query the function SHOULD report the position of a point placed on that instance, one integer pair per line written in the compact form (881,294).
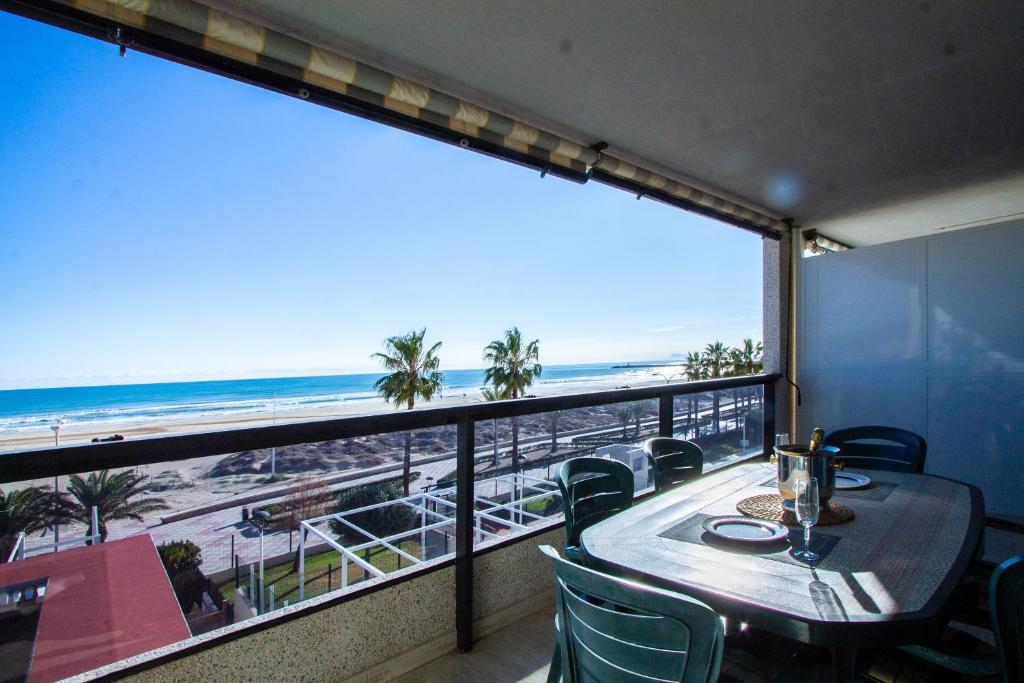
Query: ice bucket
(796,463)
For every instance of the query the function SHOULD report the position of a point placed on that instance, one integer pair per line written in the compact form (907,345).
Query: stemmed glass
(807,510)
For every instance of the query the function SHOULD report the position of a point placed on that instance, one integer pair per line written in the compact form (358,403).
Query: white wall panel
(926,335)
(974,434)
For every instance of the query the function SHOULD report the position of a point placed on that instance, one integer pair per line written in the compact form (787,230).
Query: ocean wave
(94,416)
(141,403)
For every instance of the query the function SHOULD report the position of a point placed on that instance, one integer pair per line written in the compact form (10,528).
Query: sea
(23,410)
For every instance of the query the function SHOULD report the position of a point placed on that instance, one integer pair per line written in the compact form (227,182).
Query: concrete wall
(373,637)
(927,335)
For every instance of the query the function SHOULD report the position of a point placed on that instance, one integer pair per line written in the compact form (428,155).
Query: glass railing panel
(544,441)
(513,461)
(235,535)
(727,424)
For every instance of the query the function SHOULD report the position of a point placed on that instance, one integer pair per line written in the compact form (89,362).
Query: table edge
(907,621)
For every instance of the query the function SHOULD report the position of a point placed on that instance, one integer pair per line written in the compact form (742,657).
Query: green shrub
(181,562)
(380,522)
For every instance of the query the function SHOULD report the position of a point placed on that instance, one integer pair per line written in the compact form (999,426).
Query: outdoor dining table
(882,580)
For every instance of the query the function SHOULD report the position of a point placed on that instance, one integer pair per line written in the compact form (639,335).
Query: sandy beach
(72,434)
(200,481)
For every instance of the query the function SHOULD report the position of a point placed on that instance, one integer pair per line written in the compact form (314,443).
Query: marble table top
(895,562)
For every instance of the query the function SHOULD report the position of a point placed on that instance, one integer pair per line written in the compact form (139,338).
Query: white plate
(739,528)
(849,480)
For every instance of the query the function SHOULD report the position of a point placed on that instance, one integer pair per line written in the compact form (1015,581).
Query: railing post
(464,535)
(423,534)
(665,402)
(302,564)
(768,416)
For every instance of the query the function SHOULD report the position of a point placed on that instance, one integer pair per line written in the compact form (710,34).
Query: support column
(778,323)
(464,514)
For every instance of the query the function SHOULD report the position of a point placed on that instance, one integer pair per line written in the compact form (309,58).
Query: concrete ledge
(446,644)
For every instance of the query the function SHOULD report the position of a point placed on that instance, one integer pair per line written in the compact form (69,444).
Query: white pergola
(435,512)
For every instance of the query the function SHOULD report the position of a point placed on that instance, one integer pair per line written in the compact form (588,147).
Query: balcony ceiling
(870,121)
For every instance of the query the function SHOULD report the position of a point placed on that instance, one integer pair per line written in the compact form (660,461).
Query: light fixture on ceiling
(819,244)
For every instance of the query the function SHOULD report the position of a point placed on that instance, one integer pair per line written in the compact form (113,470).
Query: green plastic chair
(592,489)
(1006,604)
(860,447)
(674,461)
(611,629)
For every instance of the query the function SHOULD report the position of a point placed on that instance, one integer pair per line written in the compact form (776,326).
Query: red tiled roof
(103,603)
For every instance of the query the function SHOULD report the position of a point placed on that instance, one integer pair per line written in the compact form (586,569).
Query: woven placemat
(769,506)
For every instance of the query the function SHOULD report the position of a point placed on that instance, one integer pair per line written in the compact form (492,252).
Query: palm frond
(413,371)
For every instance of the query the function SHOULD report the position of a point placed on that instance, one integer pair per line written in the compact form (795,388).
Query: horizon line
(198,378)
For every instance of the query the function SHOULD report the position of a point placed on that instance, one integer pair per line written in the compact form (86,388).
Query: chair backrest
(1006,603)
(592,489)
(904,452)
(611,629)
(674,461)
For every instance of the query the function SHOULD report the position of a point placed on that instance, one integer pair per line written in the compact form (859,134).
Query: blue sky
(161,223)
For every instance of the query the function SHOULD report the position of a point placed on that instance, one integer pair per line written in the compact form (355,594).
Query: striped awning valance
(198,26)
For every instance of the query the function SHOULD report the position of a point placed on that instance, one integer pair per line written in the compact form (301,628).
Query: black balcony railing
(50,462)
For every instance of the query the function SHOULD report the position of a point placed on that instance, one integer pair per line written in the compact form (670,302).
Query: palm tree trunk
(515,440)
(714,410)
(407,462)
(494,425)
(691,413)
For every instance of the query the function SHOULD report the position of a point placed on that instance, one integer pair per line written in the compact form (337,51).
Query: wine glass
(807,510)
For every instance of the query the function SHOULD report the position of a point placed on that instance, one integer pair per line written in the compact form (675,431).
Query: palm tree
(696,369)
(413,374)
(514,367)
(551,420)
(747,358)
(26,510)
(715,356)
(638,410)
(625,415)
(494,394)
(112,495)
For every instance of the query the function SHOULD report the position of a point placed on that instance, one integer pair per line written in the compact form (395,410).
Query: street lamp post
(56,484)
(260,519)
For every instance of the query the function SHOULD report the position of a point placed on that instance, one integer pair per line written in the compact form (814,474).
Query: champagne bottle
(816,436)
